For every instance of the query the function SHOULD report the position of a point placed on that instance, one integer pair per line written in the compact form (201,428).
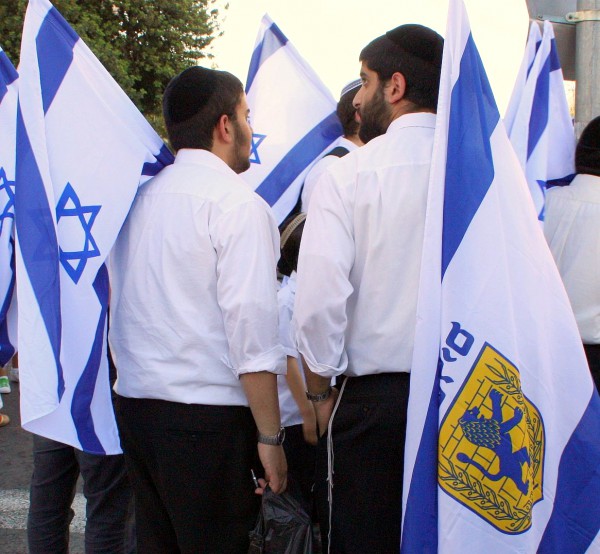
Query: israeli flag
(503,444)
(539,123)
(8,122)
(82,151)
(534,40)
(293,118)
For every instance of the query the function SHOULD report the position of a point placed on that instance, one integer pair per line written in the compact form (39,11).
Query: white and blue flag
(8,122)
(293,118)
(539,123)
(82,151)
(534,40)
(503,443)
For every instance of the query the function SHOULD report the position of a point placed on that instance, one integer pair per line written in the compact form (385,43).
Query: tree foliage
(142,43)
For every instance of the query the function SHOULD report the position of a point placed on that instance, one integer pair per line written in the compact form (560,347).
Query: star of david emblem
(77,222)
(256,142)
(7,197)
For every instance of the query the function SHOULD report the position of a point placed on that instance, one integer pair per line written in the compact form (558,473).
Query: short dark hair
(416,52)
(587,153)
(193,103)
(346,113)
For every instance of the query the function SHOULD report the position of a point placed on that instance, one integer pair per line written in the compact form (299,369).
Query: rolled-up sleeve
(247,245)
(326,257)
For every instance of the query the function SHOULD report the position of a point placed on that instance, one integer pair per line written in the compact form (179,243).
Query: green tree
(142,43)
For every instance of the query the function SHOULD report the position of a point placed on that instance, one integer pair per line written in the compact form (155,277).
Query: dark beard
(241,159)
(374,117)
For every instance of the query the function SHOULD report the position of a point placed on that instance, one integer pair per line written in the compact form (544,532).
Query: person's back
(177,217)
(380,191)
(572,229)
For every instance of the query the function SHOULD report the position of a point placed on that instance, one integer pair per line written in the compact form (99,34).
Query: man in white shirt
(355,310)
(572,229)
(348,142)
(194,330)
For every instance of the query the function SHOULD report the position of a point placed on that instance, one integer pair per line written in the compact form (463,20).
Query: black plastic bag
(282,527)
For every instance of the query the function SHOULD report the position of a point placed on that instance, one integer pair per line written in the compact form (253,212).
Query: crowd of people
(223,371)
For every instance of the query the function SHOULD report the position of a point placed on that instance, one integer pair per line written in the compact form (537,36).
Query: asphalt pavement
(16,465)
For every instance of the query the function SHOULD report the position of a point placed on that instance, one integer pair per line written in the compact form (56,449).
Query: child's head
(291,234)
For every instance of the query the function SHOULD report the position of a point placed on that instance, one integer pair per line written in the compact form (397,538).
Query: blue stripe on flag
(8,74)
(541,100)
(574,524)
(7,350)
(84,391)
(420,525)
(554,61)
(54,44)
(38,242)
(273,40)
(469,166)
(537,47)
(163,158)
(299,157)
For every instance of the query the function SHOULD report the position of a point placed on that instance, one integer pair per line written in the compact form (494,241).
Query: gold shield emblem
(491,447)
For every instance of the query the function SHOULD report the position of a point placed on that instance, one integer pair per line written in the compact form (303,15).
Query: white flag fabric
(541,130)
(82,151)
(534,40)
(293,118)
(503,439)
(8,121)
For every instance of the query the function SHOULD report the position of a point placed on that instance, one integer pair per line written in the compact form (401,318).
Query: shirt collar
(201,157)
(419,119)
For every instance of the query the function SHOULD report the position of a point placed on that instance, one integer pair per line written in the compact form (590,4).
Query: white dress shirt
(572,229)
(290,413)
(360,256)
(319,168)
(193,299)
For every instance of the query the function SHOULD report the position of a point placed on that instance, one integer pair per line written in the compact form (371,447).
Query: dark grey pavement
(15,472)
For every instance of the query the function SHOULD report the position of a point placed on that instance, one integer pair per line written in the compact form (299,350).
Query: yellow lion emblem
(491,450)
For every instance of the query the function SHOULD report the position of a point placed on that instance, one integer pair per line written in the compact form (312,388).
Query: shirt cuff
(325,370)
(273,361)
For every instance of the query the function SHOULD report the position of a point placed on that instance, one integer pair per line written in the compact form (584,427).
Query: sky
(330,34)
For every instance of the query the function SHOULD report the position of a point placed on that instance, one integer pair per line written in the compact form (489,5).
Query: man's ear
(223,129)
(397,88)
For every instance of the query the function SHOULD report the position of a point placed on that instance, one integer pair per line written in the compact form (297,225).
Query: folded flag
(541,130)
(83,149)
(503,444)
(8,121)
(293,118)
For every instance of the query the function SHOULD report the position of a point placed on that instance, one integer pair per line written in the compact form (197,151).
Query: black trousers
(592,352)
(56,467)
(189,466)
(369,430)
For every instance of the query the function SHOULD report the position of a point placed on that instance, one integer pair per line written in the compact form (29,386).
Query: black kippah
(187,93)
(420,42)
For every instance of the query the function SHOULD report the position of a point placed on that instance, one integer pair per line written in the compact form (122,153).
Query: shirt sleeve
(247,245)
(326,257)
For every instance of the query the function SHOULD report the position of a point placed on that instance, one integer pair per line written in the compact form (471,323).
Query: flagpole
(587,67)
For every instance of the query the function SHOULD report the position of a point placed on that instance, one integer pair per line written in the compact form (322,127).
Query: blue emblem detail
(8,211)
(494,433)
(256,142)
(69,206)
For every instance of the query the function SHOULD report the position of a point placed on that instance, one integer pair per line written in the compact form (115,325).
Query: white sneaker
(13,374)
(4,385)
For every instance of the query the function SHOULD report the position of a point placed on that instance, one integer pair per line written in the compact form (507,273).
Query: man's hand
(324,410)
(275,464)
